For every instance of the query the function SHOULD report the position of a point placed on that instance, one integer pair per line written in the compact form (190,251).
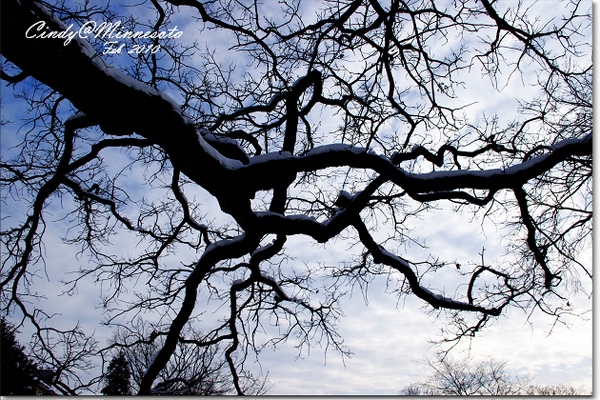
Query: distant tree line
(192,371)
(199,373)
(189,373)
(489,377)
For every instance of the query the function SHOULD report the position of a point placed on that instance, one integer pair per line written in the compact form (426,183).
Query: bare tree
(487,378)
(462,378)
(346,121)
(192,370)
(553,390)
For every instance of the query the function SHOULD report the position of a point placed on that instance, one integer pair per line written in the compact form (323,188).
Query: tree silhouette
(487,378)
(16,369)
(117,377)
(191,371)
(215,149)
(553,390)
(462,378)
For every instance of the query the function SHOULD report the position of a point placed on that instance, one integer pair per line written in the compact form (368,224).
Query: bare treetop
(345,121)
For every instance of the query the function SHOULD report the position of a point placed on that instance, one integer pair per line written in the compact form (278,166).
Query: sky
(389,338)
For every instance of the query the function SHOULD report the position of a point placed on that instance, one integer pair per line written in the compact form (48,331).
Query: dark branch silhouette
(258,139)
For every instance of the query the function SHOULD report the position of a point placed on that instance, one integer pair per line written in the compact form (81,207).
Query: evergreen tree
(117,377)
(16,373)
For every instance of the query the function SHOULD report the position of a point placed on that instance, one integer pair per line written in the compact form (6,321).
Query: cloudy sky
(389,338)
